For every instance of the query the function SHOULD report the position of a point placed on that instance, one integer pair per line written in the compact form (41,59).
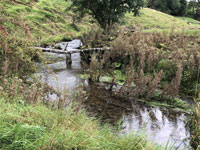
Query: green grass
(27,127)
(152,20)
(190,20)
(47,20)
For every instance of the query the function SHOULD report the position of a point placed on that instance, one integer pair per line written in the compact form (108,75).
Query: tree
(136,5)
(106,12)
(197,15)
(172,7)
(160,5)
(183,7)
(191,7)
(194,9)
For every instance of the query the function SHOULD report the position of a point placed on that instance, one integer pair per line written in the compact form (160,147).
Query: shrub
(16,57)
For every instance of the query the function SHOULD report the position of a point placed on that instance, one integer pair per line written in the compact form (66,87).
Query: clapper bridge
(70,52)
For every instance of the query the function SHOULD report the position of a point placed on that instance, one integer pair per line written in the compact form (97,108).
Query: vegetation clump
(153,66)
(16,57)
(195,125)
(153,63)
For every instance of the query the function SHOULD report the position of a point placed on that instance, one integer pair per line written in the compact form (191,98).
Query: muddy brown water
(160,125)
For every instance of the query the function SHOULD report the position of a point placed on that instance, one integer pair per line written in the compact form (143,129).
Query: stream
(160,125)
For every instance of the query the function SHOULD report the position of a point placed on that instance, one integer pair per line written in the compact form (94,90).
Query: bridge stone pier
(68,59)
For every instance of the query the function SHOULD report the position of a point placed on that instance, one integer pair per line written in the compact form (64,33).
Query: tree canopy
(173,7)
(106,12)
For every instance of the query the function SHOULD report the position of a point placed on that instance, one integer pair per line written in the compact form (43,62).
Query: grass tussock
(17,57)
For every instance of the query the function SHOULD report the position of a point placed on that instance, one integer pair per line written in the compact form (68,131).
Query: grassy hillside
(47,20)
(152,20)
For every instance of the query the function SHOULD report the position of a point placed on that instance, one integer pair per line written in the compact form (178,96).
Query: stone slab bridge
(72,51)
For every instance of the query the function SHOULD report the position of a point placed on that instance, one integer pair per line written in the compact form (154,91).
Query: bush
(16,56)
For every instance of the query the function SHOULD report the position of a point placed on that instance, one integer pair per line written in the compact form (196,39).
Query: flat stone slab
(72,51)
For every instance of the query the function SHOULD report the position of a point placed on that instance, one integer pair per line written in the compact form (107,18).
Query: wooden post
(68,59)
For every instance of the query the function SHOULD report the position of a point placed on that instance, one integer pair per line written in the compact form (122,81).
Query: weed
(153,61)
(195,125)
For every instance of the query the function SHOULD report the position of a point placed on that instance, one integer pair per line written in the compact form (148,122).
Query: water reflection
(161,125)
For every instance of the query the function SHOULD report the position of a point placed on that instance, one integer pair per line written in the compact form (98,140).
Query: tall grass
(27,127)
(195,125)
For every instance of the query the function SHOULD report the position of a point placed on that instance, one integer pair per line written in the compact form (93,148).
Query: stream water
(160,125)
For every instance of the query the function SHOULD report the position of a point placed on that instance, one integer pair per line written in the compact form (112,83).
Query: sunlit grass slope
(151,20)
(47,20)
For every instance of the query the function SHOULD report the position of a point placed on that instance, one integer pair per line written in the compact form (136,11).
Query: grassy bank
(47,21)
(27,127)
